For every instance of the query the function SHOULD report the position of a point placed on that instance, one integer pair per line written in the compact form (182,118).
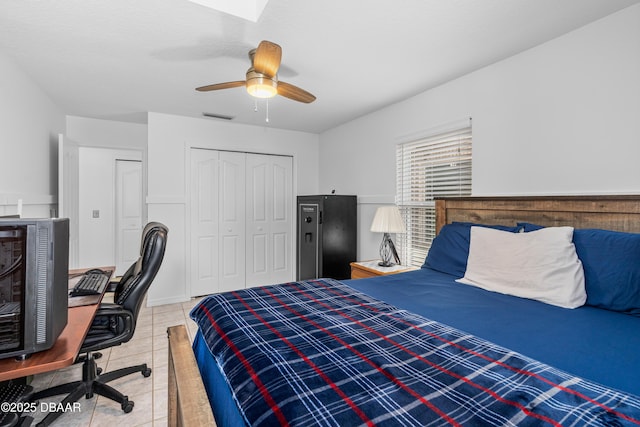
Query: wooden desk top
(64,351)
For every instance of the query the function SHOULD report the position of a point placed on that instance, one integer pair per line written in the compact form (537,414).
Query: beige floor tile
(160,404)
(108,413)
(135,346)
(165,308)
(160,342)
(161,357)
(161,378)
(143,330)
(161,330)
(192,328)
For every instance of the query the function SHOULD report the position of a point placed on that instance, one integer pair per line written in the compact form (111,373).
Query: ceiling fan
(262,78)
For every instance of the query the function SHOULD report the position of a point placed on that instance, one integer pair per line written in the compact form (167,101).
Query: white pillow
(541,265)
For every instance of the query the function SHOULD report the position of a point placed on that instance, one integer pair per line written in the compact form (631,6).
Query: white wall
(170,138)
(561,118)
(107,133)
(30,124)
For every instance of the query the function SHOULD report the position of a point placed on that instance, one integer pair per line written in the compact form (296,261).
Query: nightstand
(363,269)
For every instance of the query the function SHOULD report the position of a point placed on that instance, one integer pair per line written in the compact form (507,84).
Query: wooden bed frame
(619,213)
(188,403)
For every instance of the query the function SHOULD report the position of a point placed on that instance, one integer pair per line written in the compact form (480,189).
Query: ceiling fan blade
(218,86)
(267,58)
(294,92)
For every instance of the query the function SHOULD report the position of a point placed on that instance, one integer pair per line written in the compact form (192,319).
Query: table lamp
(387,220)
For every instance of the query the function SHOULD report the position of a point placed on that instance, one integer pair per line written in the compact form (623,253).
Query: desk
(66,348)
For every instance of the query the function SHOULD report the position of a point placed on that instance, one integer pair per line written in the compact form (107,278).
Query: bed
(422,348)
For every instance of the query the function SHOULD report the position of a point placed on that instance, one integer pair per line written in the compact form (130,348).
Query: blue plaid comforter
(321,353)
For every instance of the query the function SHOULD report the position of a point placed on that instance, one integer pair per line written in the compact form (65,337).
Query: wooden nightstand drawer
(364,269)
(360,273)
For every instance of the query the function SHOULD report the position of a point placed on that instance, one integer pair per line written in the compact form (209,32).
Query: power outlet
(96,213)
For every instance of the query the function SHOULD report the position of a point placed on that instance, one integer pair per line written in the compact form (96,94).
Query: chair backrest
(136,281)
(132,269)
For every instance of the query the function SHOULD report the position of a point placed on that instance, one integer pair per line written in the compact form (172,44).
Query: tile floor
(148,345)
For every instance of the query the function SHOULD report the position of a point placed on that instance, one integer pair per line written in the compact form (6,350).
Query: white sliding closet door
(204,222)
(269,219)
(232,220)
(241,220)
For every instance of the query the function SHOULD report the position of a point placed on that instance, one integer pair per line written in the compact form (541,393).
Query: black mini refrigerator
(327,236)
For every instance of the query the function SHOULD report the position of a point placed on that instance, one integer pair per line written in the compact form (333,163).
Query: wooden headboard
(619,213)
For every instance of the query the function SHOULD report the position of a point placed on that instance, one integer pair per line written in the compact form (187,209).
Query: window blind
(435,166)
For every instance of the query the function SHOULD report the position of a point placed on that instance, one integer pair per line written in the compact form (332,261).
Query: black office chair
(113,325)
(116,287)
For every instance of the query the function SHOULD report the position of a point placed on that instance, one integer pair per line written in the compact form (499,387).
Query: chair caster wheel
(127,406)
(146,372)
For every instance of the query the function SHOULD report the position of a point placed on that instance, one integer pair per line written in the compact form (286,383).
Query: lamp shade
(388,220)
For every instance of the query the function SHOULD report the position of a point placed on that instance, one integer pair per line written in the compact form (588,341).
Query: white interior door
(269,219)
(204,222)
(232,220)
(128,218)
(69,192)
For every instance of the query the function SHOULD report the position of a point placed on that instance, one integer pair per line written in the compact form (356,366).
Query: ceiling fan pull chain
(255,105)
(267,119)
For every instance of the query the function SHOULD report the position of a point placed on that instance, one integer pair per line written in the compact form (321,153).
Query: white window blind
(434,166)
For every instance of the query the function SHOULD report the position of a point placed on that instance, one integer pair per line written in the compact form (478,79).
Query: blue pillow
(611,264)
(450,249)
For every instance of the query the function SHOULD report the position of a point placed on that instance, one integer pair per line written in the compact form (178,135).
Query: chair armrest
(112,325)
(110,309)
(113,284)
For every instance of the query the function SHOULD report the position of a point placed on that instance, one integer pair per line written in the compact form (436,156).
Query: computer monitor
(34,264)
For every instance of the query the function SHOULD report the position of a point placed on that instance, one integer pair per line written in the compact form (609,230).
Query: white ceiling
(117,59)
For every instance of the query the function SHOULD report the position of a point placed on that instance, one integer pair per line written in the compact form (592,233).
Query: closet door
(269,221)
(204,222)
(232,220)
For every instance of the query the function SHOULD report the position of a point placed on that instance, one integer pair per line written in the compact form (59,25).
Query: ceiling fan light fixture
(262,90)
(261,86)
(262,77)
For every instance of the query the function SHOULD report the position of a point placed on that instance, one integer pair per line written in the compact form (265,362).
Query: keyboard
(90,284)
